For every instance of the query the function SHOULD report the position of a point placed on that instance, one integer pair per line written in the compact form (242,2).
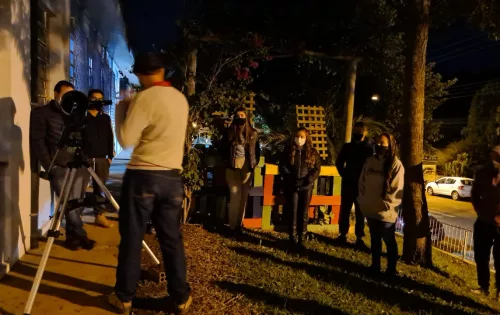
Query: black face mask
(356,137)
(381,150)
(239,121)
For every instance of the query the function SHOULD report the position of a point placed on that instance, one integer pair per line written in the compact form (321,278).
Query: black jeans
(101,168)
(486,236)
(155,195)
(348,199)
(74,223)
(386,231)
(298,213)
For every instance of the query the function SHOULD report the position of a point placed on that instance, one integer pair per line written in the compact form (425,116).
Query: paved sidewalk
(73,282)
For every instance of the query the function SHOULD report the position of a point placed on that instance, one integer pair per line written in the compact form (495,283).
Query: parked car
(436,227)
(455,187)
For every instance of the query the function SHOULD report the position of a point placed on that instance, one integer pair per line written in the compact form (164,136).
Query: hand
(125,102)
(109,161)
(496,180)
(497,219)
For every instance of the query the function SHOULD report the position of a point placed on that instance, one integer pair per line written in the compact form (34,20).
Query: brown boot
(102,221)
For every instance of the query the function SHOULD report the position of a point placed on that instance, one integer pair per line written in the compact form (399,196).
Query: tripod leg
(117,207)
(50,241)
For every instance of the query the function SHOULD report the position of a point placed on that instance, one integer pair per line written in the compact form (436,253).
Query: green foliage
(191,174)
(481,130)
(458,167)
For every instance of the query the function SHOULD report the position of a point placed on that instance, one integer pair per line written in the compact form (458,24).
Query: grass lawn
(258,274)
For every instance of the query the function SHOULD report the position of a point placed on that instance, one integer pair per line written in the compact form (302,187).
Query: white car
(456,187)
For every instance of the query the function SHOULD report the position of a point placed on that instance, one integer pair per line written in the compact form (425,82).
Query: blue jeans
(74,223)
(156,196)
(386,231)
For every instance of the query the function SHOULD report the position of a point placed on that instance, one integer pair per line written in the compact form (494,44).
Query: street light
(375,98)
(195,125)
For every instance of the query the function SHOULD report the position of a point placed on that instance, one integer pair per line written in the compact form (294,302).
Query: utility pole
(350,87)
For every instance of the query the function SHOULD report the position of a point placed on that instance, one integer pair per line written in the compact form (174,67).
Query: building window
(43,57)
(91,72)
(72,61)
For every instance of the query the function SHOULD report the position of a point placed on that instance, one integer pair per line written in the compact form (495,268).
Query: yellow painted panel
(271,169)
(329,171)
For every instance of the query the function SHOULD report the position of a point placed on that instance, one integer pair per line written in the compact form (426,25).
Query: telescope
(98,104)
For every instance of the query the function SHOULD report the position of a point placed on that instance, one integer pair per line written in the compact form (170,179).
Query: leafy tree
(457,167)
(481,130)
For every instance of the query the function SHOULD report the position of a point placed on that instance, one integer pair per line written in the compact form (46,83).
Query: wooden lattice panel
(313,118)
(249,103)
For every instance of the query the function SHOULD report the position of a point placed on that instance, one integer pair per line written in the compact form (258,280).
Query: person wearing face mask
(46,127)
(349,164)
(485,197)
(240,150)
(380,193)
(300,167)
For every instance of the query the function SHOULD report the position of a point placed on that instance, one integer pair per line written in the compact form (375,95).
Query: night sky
(459,51)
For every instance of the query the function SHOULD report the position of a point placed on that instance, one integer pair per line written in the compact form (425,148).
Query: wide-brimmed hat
(147,63)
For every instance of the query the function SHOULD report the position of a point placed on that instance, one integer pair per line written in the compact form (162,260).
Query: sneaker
(182,308)
(102,221)
(124,308)
(87,243)
(361,246)
(72,243)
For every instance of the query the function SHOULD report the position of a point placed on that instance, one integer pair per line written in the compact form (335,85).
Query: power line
(473,83)
(468,52)
(455,43)
(460,49)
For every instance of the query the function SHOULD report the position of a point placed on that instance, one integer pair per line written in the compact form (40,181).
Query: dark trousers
(348,199)
(386,231)
(101,168)
(298,213)
(156,196)
(486,236)
(74,223)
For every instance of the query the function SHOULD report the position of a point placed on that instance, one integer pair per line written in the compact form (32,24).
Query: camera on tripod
(98,104)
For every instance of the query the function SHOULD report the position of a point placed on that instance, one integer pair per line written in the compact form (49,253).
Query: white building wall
(15,176)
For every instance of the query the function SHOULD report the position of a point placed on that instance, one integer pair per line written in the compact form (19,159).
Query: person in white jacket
(380,193)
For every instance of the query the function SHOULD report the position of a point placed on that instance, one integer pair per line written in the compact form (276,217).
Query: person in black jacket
(46,128)
(240,150)
(485,197)
(349,164)
(99,142)
(300,167)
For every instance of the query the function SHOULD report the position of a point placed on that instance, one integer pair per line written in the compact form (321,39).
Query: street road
(446,210)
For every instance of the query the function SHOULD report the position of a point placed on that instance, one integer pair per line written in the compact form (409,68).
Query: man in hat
(154,123)
(486,202)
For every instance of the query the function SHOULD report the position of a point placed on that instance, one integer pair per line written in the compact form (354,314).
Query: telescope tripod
(63,205)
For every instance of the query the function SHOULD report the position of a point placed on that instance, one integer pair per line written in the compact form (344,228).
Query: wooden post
(350,87)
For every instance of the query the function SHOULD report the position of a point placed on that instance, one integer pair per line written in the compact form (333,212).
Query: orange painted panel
(325,200)
(253,223)
(335,214)
(311,212)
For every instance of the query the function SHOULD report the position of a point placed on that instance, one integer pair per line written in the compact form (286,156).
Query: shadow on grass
(72,261)
(269,298)
(373,290)
(4,312)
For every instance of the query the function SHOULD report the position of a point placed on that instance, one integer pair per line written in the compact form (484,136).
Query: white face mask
(300,141)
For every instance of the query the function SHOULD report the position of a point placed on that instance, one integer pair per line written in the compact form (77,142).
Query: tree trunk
(417,240)
(191,71)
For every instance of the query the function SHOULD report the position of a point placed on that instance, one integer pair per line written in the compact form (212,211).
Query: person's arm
(341,159)
(284,167)
(394,194)
(476,191)
(361,182)
(111,141)
(38,132)
(131,120)
(316,170)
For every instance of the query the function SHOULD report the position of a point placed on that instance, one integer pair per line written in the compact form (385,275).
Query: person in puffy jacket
(300,167)
(380,193)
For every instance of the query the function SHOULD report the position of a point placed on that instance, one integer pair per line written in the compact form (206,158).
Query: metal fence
(449,238)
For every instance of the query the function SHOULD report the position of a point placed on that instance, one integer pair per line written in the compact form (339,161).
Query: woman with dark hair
(241,153)
(380,193)
(300,167)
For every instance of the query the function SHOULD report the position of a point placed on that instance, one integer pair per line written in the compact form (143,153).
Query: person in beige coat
(380,193)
